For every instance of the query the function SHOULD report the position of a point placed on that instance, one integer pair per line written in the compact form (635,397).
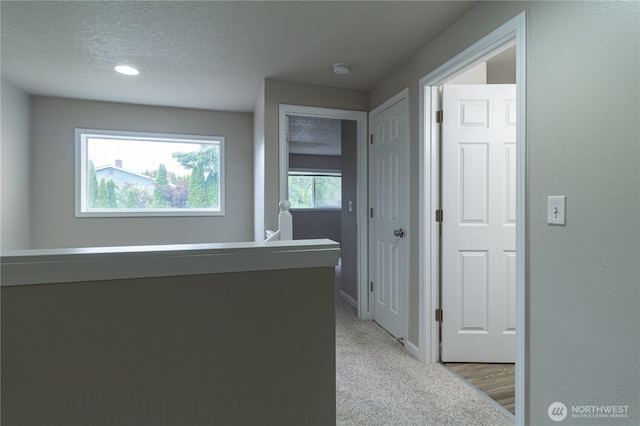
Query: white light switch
(556,209)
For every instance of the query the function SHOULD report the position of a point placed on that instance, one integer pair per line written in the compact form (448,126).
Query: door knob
(399,233)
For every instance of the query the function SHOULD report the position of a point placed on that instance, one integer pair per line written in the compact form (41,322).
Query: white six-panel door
(389,192)
(479,218)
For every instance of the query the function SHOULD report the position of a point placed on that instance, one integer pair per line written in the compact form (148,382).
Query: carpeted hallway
(378,383)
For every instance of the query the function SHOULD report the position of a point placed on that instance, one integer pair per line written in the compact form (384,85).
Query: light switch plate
(556,209)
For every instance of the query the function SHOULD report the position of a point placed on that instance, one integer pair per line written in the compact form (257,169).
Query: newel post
(285,221)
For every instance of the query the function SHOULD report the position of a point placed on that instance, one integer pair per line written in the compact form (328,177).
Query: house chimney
(119,163)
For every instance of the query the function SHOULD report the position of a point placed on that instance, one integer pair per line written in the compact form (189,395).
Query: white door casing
(360,117)
(478,229)
(389,201)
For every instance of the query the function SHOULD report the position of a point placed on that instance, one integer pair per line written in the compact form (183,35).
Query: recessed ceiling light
(341,68)
(127,70)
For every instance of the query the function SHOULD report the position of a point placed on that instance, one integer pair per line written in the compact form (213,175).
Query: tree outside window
(138,174)
(315,190)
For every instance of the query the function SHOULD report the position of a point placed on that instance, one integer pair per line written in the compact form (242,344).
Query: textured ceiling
(315,135)
(209,54)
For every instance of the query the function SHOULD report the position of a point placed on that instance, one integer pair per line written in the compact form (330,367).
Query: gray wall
(311,224)
(52,167)
(315,162)
(501,69)
(240,348)
(15,192)
(582,297)
(280,92)
(349,219)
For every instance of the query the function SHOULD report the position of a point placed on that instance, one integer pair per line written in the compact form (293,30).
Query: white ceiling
(209,54)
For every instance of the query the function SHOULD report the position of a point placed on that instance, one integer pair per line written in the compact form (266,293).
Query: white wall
(53,221)
(15,190)
(582,283)
(258,168)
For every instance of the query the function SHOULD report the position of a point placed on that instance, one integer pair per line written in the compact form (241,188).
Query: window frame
(315,173)
(82,170)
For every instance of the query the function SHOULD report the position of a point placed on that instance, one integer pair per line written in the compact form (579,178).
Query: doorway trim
(360,117)
(428,349)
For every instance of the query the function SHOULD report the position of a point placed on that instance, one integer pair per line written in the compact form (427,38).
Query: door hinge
(371,211)
(286,137)
(371,138)
(371,286)
(439,215)
(439,116)
(439,315)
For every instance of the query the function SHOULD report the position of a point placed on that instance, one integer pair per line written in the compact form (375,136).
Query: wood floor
(497,381)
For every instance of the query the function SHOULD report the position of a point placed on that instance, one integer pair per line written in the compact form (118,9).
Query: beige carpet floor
(378,383)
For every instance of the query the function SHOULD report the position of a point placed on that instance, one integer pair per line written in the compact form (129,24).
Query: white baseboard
(349,299)
(413,350)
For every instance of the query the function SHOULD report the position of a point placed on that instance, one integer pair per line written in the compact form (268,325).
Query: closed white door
(478,228)
(389,200)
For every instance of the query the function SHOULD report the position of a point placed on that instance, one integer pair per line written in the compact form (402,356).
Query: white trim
(412,349)
(81,140)
(521,216)
(402,95)
(360,117)
(314,172)
(350,300)
(429,242)
(512,32)
(50,266)
(272,236)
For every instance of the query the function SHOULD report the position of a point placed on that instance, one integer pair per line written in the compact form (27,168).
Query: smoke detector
(341,68)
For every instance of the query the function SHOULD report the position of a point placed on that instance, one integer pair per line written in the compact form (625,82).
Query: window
(311,190)
(148,174)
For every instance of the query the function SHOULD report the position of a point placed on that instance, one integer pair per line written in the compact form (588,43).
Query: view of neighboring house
(123,177)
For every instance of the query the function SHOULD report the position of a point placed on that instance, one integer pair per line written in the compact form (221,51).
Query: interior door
(389,200)
(478,228)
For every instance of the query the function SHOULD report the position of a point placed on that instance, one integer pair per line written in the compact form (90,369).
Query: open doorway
(510,35)
(322,188)
(315,176)
(478,238)
(322,153)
